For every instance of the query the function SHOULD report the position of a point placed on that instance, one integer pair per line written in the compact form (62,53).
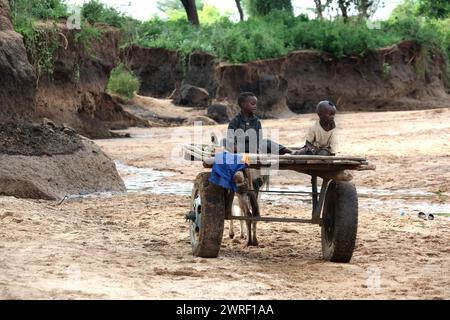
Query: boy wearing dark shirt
(244,133)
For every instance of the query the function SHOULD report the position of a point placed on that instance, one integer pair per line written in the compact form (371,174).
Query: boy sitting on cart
(244,134)
(321,137)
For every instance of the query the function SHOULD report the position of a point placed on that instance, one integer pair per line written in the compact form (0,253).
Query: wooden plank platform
(301,163)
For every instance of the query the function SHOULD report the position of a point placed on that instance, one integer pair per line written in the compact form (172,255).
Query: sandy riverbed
(136,246)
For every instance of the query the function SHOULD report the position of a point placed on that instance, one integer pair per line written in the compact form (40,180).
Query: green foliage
(439,9)
(40,41)
(209,14)
(95,11)
(245,41)
(37,20)
(130,31)
(123,82)
(41,45)
(39,9)
(280,32)
(271,33)
(265,7)
(87,35)
(340,39)
(431,33)
(269,36)
(434,9)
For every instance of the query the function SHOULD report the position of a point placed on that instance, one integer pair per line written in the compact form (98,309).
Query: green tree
(191,11)
(321,6)
(407,8)
(95,11)
(239,7)
(344,6)
(366,8)
(264,7)
(439,9)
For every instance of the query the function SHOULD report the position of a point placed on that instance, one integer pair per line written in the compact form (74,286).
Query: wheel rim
(194,226)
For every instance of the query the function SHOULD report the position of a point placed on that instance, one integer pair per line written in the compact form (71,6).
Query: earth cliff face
(17,78)
(394,78)
(401,77)
(47,161)
(159,71)
(75,94)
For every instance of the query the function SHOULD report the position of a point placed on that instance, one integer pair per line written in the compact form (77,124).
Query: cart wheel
(208,206)
(339,222)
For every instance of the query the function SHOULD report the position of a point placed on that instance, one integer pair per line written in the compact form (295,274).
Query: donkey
(247,197)
(248,200)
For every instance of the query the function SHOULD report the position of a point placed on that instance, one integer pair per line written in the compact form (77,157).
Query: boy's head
(326,110)
(247,101)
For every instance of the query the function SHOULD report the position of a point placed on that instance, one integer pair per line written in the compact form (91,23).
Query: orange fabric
(246,158)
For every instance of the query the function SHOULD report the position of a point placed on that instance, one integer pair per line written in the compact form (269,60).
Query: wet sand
(136,246)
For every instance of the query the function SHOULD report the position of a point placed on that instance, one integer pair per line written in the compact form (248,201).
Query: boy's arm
(310,146)
(310,138)
(333,143)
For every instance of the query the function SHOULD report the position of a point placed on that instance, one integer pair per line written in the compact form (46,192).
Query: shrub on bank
(123,82)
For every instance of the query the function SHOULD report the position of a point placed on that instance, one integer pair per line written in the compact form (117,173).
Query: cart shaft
(273,219)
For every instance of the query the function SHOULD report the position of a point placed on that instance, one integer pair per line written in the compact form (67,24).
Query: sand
(136,246)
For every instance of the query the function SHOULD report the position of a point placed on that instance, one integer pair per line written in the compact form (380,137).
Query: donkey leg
(231,233)
(242,229)
(249,233)
(254,239)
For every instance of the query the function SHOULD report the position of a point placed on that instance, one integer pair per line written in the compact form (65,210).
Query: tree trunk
(191,11)
(241,12)
(319,9)
(363,8)
(343,5)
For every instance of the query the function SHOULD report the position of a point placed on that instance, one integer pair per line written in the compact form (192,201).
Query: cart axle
(274,219)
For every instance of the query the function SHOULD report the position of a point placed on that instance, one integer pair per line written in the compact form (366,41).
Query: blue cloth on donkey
(225,166)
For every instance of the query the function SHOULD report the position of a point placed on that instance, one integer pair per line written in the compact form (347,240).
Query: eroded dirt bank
(136,246)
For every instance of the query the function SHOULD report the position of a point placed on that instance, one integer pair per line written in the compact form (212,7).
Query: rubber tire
(340,212)
(212,217)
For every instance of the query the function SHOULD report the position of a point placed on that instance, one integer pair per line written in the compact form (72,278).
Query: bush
(259,37)
(95,11)
(280,32)
(41,42)
(25,12)
(123,82)
(39,9)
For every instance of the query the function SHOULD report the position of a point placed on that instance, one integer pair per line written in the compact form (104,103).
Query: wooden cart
(334,208)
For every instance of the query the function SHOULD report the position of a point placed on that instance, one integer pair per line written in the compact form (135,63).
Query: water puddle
(152,181)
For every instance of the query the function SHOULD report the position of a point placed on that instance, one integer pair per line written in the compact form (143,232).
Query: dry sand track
(136,246)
